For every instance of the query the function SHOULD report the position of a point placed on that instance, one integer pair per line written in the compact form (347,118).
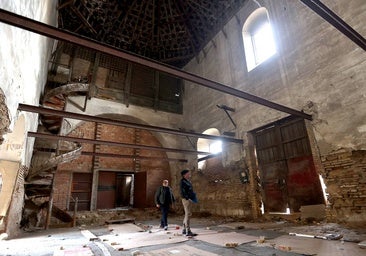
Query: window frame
(253,24)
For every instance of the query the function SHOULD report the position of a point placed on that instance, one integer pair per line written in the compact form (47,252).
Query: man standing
(163,199)
(188,197)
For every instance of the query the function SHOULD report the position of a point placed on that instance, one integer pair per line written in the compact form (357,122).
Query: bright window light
(263,43)
(216,147)
(258,38)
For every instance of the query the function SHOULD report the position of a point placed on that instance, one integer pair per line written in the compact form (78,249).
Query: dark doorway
(123,190)
(114,190)
(286,168)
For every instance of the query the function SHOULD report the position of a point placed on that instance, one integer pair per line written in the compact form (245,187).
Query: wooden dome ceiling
(168,31)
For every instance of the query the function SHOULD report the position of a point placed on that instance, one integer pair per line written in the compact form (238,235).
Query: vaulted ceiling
(168,31)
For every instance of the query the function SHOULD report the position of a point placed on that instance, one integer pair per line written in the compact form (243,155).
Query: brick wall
(156,170)
(345,178)
(220,191)
(62,186)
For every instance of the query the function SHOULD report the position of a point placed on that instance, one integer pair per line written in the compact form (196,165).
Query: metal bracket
(226,109)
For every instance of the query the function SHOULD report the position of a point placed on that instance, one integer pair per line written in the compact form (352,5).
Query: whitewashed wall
(23,70)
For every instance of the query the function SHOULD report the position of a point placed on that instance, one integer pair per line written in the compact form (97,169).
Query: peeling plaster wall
(23,72)
(7,189)
(24,62)
(316,69)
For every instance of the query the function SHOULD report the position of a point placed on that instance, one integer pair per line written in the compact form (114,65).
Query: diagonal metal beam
(97,119)
(55,33)
(112,143)
(327,14)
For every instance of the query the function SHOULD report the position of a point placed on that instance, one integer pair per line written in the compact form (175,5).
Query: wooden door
(140,190)
(272,170)
(106,196)
(286,167)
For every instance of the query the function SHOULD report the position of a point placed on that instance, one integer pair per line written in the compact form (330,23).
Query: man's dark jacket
(186,190)
(164,196)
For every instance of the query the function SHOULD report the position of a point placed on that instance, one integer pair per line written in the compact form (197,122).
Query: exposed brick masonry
(345,177)
(156,170)
(220,191)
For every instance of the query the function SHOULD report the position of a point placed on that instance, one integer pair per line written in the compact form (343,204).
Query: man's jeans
(164,215)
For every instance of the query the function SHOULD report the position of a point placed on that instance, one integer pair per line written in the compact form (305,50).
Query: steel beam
(99,154)
(113,143)
(142,158)
(327,14)
(55,33)
(97,119)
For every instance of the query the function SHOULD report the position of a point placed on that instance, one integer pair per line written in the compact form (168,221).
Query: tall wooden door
(106,196)
(303,183)
(286,167)
(140,190)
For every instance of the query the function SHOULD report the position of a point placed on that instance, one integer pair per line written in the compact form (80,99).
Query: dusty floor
(216,236)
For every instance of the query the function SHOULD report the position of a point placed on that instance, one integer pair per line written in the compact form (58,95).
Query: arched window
(207,145)
(259,44)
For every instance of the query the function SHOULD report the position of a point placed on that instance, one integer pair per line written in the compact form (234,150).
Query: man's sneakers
(189,233)
(166,228)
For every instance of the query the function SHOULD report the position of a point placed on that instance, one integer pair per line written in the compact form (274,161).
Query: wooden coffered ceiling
(168,31)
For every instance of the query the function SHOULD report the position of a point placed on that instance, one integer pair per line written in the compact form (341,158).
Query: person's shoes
(189,233)
(161,226)
(183,232)
(166,228)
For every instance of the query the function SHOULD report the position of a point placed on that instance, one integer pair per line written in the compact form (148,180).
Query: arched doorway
(208,145)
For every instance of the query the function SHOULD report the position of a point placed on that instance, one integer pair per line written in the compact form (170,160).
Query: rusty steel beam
(54,112)
(327,14)
(142,158)
(55,33)
(113,143)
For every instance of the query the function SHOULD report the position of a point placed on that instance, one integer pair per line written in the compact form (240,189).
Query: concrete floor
(214,238)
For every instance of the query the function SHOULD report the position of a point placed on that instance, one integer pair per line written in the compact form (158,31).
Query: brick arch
(155,170)
(127,118)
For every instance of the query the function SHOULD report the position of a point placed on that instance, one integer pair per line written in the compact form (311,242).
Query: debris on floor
(362,244)
(325,237)
(215,237)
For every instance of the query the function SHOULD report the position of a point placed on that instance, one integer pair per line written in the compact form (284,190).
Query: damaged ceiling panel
(168,31)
